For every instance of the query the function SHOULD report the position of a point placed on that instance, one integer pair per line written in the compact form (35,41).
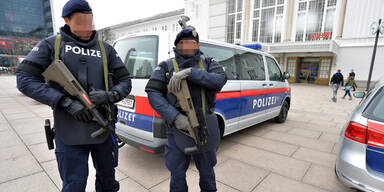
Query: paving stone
(266,144)
(129,185)
(243,176)
(324,177)
(13,152)
(38,182)
(34,138)
(145,168)
(299,140)
(330,137)
(18,167)
(305,133)
(42,153)
(8,138)
(271,161)
(317,157)
(277,183)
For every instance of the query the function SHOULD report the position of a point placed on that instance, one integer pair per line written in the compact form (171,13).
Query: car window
(251,65)
(375,108)
(273,70)
(225,56)
(139,55)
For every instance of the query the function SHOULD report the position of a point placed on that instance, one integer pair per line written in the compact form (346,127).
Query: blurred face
(81,25)
(188,46)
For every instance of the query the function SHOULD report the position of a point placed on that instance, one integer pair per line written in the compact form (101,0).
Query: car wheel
(283,113)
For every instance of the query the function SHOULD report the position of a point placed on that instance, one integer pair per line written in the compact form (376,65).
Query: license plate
(128,102)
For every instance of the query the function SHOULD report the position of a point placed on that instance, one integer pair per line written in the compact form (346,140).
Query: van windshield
(139,55)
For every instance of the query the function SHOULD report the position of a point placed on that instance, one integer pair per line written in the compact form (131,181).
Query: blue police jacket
(83,59)
(212,79)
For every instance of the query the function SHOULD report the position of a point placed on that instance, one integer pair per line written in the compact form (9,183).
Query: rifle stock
(59,73)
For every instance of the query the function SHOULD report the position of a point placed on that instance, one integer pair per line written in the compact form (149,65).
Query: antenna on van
(183,22)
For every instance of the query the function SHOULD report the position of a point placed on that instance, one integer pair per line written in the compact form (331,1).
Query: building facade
(161,22)
(310,38)
(23,23)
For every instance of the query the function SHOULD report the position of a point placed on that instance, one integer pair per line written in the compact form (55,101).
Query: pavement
(298,155)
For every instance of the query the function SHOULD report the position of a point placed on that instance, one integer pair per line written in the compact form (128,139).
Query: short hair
(338,70)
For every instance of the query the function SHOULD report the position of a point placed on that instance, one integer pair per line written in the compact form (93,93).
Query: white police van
(256,89)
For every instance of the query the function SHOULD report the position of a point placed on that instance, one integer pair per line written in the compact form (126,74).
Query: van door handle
(264,84)
(271,84)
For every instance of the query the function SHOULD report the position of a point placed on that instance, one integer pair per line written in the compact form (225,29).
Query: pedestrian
(336,80)
(350,84)
(204,77)
(78,47)
(352,74)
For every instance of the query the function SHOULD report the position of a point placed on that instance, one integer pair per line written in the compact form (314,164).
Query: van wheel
(283,113)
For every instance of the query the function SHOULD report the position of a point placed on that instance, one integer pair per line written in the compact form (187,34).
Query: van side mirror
(359,94)
(286,75)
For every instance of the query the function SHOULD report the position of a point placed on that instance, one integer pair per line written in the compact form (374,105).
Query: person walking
(336,80)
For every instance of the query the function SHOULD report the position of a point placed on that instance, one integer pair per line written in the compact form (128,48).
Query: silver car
(360,163)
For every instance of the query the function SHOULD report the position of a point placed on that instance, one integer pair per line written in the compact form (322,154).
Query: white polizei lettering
(35,49)
(264,102)
(269,100)
(67,48)
(259,102)
(82,52)
(88,52)
(93,53)
(98,53)
(76,50)
(254,103)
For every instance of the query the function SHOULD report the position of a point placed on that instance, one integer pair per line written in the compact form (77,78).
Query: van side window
(225,56)
(252,66)
(273,70)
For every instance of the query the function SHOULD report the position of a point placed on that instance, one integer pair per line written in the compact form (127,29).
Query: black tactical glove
(102,97)
(76,109)
(181,122)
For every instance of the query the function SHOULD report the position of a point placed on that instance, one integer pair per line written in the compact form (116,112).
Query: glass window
(255,30)
(139,55)
(257,4)
(375,109)
(225,56)
(238,17)
(324,68)
(329,19)
(238,30)
(332,3)
(231,6)
(314,18)
(268,3)
(256,13)
(300,22)
(231,28)
(273,70)
(266,25)
(278,26)
(239,5)
(292,67)
(302,6)
(280,10)
(252,66)
(280,2)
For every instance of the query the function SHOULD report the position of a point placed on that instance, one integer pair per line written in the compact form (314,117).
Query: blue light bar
(252,46)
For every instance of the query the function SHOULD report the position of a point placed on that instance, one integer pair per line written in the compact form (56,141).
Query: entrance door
(291,68)
(324,70)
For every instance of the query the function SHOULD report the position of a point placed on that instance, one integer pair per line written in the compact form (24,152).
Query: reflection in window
(225,56)
(266,29)
(252,66)
(231,28)
(273,70)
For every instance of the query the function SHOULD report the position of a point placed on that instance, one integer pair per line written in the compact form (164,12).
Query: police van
(256,90)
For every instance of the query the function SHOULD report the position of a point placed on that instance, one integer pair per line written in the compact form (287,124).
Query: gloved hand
(101,96)
(76,109)
(174,84)
(181,122)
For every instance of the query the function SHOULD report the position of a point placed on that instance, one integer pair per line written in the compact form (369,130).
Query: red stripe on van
(227,94)
(143,106)
(230,94)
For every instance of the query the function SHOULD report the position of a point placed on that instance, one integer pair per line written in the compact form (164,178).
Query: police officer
(81,52)
(208,78)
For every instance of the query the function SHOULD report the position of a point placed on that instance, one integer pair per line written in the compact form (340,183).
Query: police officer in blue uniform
(81,53)
(209,78)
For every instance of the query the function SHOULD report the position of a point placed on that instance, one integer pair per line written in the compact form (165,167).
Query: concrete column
(341,18)
(246,20)
(289,20)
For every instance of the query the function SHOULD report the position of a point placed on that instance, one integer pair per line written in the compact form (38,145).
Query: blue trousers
(72,162)
(178,162)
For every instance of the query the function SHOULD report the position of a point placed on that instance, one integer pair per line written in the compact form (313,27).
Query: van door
(253,84)
(228,100)
(276,84)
